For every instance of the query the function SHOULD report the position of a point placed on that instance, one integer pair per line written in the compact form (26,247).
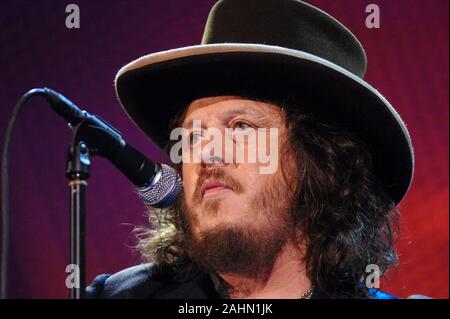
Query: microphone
(158,185)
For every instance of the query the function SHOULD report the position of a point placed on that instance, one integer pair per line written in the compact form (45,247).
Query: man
(312,227)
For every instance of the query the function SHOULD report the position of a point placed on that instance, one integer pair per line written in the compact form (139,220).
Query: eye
(195,137)
(241,126)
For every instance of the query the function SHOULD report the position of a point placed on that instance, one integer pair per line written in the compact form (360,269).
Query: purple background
(408,63)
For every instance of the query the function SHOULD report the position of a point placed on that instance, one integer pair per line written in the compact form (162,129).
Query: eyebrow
(229,114)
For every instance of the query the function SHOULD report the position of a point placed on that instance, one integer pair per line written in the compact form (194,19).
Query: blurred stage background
(408,63)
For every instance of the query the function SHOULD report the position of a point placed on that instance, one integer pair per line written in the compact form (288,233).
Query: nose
(215,148)
(215,151)
(210,158)
(209,161)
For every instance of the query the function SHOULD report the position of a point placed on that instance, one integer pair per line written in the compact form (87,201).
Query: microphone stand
(77,171)
(88,139)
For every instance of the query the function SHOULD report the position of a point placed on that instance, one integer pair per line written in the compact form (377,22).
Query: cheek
(263,149)
(251,179)
(189,178)
(254,182)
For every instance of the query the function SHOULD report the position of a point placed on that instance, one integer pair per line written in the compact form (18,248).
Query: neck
(287,279)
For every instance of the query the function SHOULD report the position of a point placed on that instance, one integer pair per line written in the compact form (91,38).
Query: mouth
(211,188)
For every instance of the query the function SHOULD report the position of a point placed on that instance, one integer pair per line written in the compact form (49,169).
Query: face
(232,209)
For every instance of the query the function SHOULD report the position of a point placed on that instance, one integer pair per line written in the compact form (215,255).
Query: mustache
(219,175)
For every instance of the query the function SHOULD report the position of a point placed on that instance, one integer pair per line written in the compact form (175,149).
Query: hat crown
(290,24)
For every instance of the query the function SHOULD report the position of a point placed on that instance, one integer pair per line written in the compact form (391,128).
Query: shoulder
(371,293)
(378,294)
(134,282)
(150,281)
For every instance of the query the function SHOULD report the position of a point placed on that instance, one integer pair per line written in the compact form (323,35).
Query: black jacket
(152,281)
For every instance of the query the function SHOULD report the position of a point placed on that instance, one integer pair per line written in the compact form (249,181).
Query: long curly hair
(340,208)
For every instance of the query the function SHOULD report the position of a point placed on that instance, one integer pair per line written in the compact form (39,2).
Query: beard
(248,249)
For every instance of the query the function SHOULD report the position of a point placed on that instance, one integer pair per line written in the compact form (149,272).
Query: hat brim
(153,88)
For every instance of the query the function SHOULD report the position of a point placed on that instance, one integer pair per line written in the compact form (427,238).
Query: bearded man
(344,159)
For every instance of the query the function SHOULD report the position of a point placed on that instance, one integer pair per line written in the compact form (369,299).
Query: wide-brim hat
(273,49)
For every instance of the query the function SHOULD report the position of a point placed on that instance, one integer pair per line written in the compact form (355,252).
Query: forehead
(218,105)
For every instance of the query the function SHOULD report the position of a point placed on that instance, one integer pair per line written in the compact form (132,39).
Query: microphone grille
(164,190)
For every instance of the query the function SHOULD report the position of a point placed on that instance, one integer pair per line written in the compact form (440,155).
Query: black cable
(5,188)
